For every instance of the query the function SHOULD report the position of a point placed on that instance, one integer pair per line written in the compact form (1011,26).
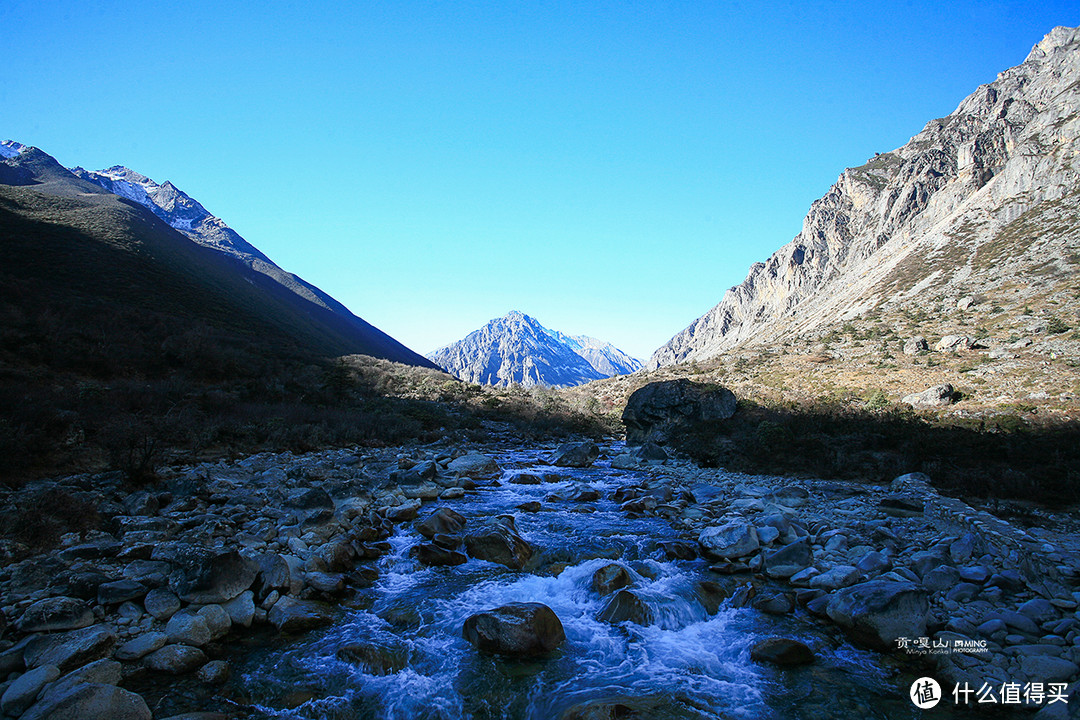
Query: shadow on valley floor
(1006,456)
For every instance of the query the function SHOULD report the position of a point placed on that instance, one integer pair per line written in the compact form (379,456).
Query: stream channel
(685,664)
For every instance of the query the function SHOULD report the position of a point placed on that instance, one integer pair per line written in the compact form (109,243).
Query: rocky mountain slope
(187,215)
(977,213)
(69,235)
(518,350)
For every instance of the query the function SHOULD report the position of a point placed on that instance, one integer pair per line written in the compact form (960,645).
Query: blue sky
(609,168)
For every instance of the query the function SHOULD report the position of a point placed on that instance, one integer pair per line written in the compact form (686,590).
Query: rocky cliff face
(977,199)
(518,350)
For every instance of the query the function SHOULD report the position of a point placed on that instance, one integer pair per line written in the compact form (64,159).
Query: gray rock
(329,583)
(217,620)
(916,345)
(836,577)
(188,628)
(474,465)
(732,540)
(23,691)
(214,672)
(624,461)
(70,650)
(1039,609)
(55,613)
(141,646)
(941,578)
(1046,668)
(175,659)
(104,671)
(210,576)
(290,615)
(516,630)
(878,612)
(659,409)
(975,574)
(241,609)
(767,535)
(789,560)
(576,454)
(937,396)
(161,603)
(114,593)
(873,562)
(953,342)
(90,701)
(405,511)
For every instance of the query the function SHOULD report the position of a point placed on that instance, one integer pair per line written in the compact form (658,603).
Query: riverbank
(316,551)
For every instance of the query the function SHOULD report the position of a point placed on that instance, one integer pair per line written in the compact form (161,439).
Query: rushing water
(697,664)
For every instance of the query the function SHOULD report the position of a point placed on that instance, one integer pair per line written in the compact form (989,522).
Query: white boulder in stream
(735,539)
(521,629)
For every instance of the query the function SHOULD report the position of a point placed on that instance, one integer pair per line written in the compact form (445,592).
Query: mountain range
(173,236)
(517,350)
(980,203)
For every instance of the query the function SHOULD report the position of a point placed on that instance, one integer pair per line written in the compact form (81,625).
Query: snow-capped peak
(10,148)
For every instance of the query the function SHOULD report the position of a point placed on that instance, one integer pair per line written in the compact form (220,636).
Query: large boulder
(175,659)
(878,612)
(735,539)
(937,396)
(611,577)
(384,656)
(70,650)
(443,521)
(576,454)
(522,629)
(289,615)
(90,701)
(206,575)
(790,559)
(782,651)
(56,613)
(474,465)
(499,542)
(625,606)
(657,410)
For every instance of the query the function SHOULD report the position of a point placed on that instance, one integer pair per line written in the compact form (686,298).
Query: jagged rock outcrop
(986,192)
(518,350)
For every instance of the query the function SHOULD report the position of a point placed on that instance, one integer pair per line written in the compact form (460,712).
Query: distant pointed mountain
(518,350)
(122,241)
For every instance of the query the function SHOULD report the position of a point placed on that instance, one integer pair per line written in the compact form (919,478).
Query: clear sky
(608,168)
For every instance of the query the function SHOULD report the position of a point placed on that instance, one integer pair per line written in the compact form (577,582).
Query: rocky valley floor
(337,584)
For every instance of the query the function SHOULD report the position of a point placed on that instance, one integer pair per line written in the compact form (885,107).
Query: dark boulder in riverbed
(653,413)
(878,612)
(443,521)
(782,651)
(516,630)
(610,578)
(626,606)
(499,542)
(576,454)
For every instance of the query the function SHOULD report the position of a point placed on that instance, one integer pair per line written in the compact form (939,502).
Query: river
(686,663)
